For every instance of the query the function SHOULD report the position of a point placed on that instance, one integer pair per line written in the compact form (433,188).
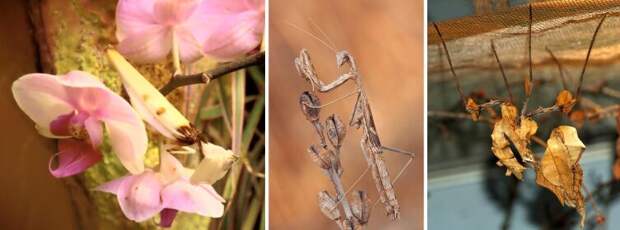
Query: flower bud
(336,131)
(309,105)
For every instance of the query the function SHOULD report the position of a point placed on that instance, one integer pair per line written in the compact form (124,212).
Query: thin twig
(528,84)
(585,64)
(543,110)
(352,186)
(529,44)
(335,178)
(557,62)
(490,103)
(501,68)
(206,77)
(445,48)
(453,115)
(539,141)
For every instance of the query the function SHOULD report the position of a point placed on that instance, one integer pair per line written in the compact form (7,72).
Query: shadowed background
(386,38)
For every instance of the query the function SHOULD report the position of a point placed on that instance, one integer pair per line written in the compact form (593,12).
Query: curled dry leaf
(565,101)
(559,169)
(328,205)
(505,131)
(473,109)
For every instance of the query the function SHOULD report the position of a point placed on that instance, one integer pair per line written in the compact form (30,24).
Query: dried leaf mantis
(564,177)
(356,212)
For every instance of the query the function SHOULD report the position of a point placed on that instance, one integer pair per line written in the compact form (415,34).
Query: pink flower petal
(81,79)
(170,168)
(95,131)
(42,98)
(133,17)
(228,29)
(60,125)
(113,186)
(167,217)
(129,142)
(74,157)
(77,100)
(183,196)
(139,196)
(190,49)
(212,191)
(89,100)
(127,133)
(171,12)
(149,46)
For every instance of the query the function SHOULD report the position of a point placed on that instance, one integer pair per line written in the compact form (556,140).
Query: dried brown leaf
(559,170)
(506,131)
(578,117)
(473,109)
(328,206)
(524,132)
(565,101)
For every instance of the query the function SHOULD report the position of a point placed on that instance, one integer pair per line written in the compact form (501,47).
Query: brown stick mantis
(361,117)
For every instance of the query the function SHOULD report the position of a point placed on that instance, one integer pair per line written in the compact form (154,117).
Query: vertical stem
(557,62)
(529,48)
(176,61)
(456,79)
(585,64)
(333,175)
(501,68)
(238,103)
(238,106)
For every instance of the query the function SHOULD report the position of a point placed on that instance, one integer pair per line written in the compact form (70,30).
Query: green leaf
(211,112)
(252,122)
